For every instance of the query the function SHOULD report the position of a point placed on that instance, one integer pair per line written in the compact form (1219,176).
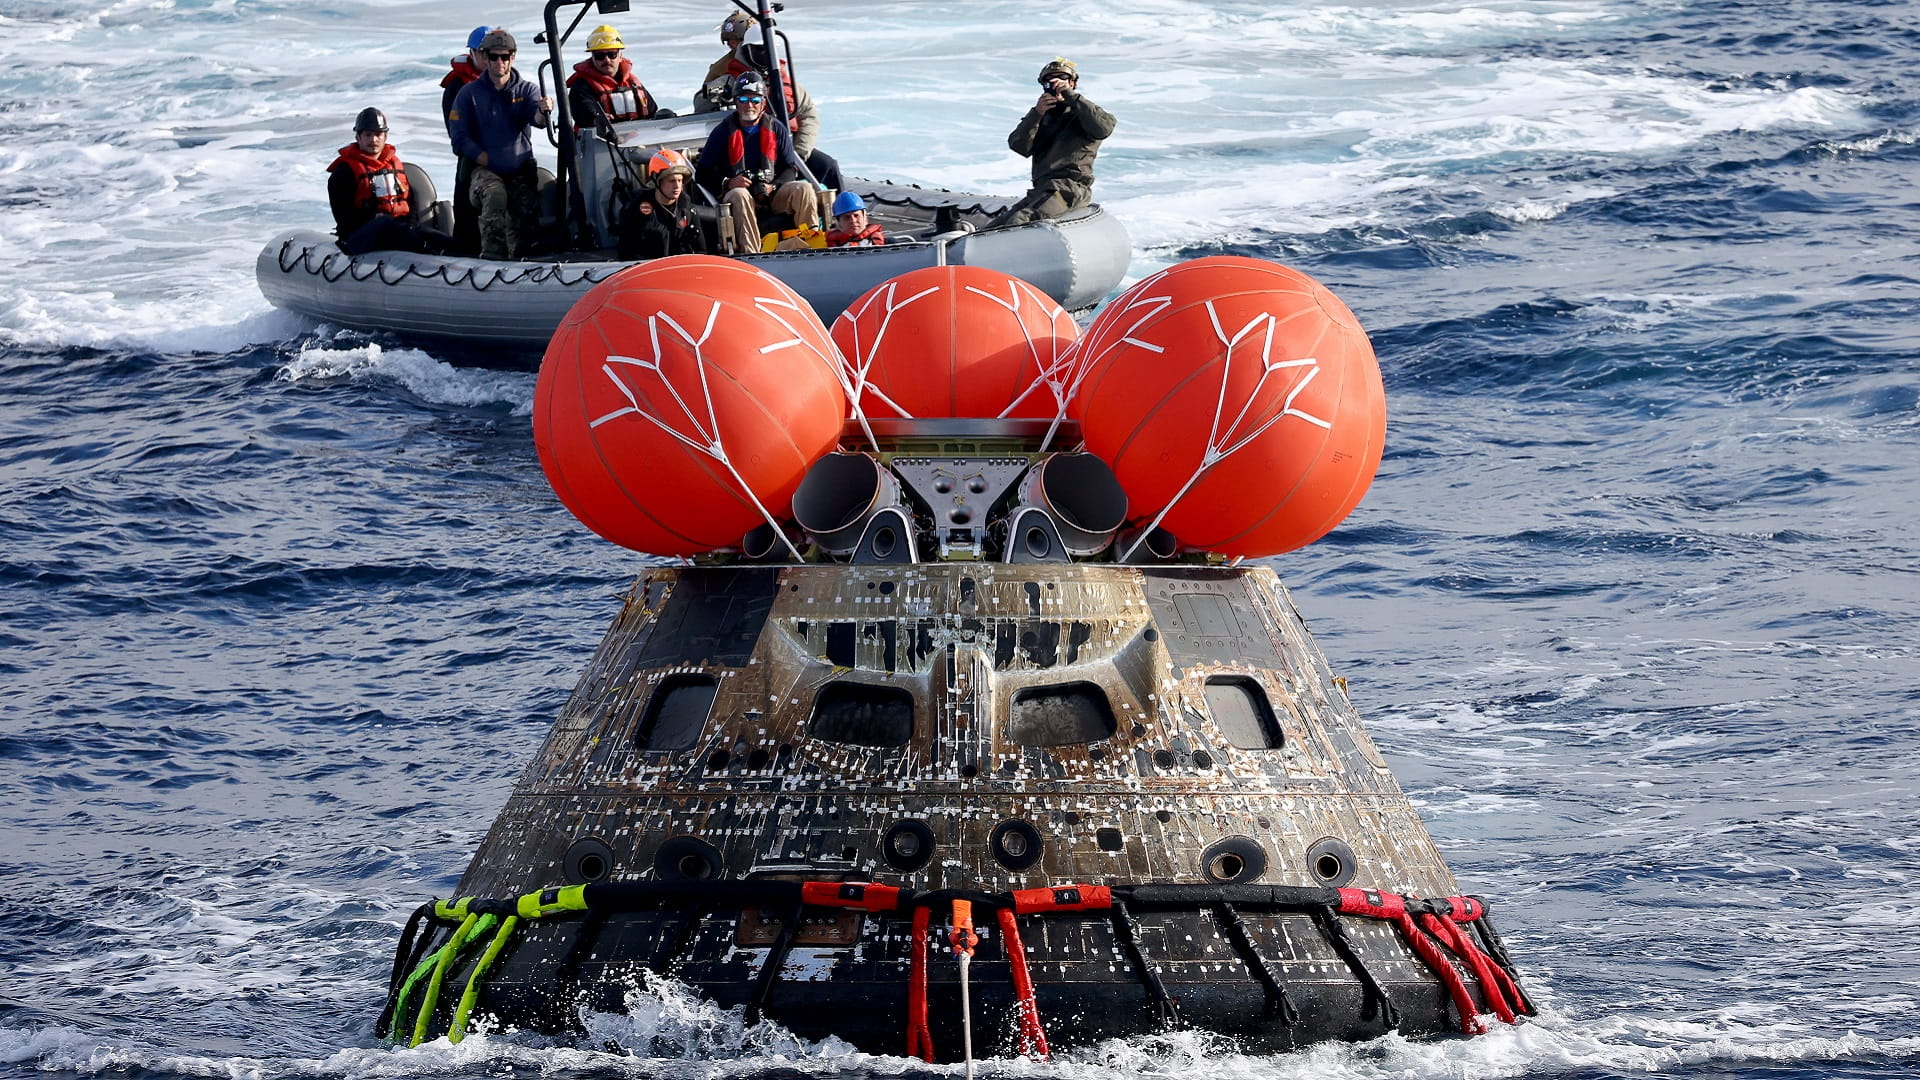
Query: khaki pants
(739,205)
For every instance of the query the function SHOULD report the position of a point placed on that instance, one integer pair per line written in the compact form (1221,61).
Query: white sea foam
(425,376)
(1617,1043)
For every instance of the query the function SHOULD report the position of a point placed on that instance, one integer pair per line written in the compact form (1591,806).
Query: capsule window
(1060,715)
(1240,709)
(677,712)
(864,715)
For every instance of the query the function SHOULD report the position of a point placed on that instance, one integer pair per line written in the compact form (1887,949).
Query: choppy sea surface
(1633,607)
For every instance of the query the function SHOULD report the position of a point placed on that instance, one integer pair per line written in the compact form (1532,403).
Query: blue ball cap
(479,35)
(847,202)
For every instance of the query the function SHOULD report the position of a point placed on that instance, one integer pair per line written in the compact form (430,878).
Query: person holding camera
(1062,134)
(750,158)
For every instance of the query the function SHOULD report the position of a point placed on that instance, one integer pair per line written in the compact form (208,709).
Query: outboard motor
(1081,499)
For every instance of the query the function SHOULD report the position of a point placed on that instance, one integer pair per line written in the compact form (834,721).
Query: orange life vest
(463,72)
(871,236)
(622,97)
(380,183)
(737,149)
(737,67)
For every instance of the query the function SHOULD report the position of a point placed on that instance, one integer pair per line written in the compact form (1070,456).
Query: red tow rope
(1033,1036)
(919,1037)
(1393,908)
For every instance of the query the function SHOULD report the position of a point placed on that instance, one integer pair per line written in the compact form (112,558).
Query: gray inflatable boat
(499,312)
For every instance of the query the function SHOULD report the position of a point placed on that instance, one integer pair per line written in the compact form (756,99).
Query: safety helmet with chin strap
(370,119)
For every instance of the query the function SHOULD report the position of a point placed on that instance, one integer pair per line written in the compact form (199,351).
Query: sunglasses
(496,57)
(751,99)
(607,54)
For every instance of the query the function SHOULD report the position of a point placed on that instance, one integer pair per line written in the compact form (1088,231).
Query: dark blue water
(1633,607)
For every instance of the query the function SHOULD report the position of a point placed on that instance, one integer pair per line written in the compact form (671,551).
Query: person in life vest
(660,221)
(603,89)
(371,200)
(750,157)
(466,67)
(803,116)
(489,125)
(1062,134)
(850,225)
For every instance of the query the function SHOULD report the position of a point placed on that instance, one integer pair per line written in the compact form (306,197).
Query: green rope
(397,1027)
(434,966)
(472,994)
(454,945)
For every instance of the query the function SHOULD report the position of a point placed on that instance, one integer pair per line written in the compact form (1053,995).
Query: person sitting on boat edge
(603,89)
(466,67)
(850,225)
(1062,134)
(371,200)
(751,158)
(660,221)
(490,121)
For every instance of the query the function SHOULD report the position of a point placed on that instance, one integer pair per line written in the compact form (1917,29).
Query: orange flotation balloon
(681,401)
(955,341)
(1237,400)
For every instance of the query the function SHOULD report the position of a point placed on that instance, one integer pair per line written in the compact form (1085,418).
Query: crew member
(803,116)
(661,221)
(850,225)
(716,87)
(1062,134)
(603,88)
(371,200)
(752,158)
(467,67)
(489,123)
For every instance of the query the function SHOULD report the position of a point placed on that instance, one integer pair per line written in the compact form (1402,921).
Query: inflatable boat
(503,311)
(961,731)
(511,308)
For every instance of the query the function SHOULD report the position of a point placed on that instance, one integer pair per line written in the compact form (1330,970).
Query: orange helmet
(667,162)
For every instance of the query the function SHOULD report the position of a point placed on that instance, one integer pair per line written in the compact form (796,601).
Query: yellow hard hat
(604,38)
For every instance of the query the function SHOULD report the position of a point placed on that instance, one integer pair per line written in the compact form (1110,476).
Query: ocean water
(1633,607)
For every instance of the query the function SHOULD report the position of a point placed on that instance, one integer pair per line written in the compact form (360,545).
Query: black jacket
(649,230)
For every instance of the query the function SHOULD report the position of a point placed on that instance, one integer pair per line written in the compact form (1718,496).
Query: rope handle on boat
(1436,930)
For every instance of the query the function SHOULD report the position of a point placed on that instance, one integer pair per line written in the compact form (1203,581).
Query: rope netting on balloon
(693,420)
(1231,427)
(955,341)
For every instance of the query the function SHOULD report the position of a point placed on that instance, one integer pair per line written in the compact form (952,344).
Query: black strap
(1235,931)
(1336,936)
(1127,930)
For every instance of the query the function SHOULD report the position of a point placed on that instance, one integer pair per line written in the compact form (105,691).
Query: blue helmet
(479,35)
(848,202)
